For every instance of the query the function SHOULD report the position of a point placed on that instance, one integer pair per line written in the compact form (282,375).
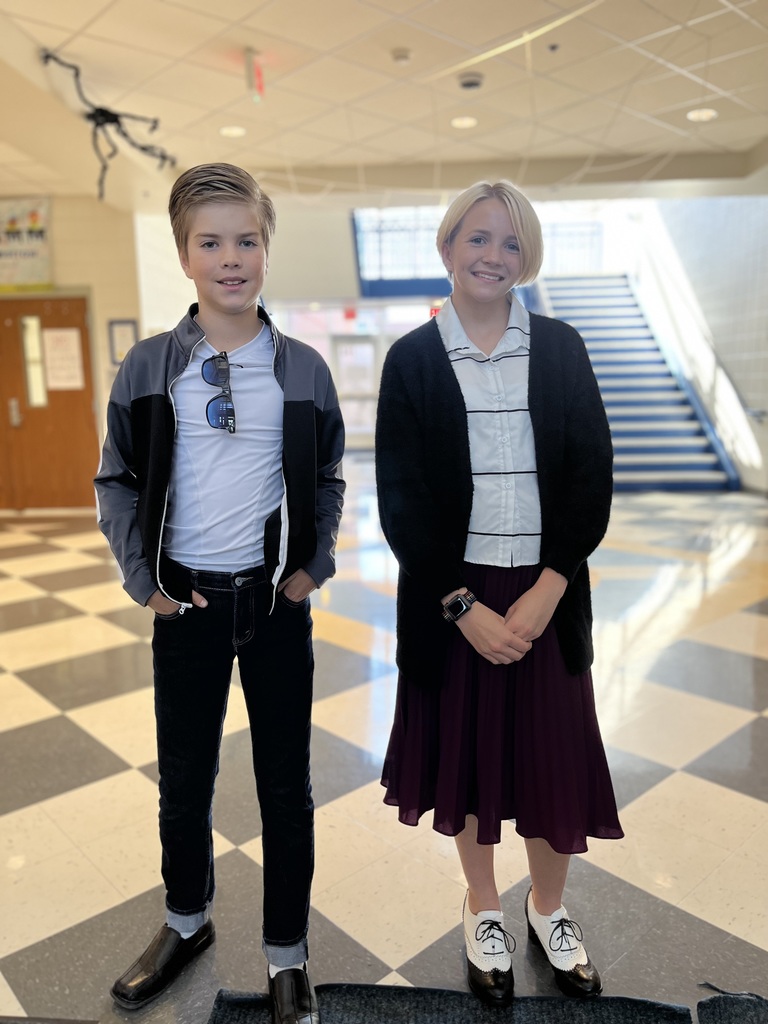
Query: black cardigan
(424,482)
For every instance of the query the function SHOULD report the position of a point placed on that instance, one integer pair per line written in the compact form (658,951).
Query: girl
(494,475)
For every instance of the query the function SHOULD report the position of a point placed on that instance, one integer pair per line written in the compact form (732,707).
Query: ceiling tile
(313,24)
(634,20)
(202,87)
(48,36)
(71,15)
(335,80)
(404,141)
(737,71)
(609,71)
(155,27)
(351,126)
(236,9)
(498,21)
(404,102)
(279,106)
(664,92)
(103,64)
(428,52)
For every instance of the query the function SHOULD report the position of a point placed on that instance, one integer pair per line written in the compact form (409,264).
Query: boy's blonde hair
(524,221)
(217,183)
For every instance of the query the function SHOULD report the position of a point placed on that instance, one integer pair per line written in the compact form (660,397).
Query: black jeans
(193,657)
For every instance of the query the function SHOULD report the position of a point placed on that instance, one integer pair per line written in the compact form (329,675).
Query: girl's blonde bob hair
(217,183)
(523,216)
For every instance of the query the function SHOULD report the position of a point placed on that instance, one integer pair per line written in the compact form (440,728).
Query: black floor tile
(48,758)
(337,670)
(632,775)
(33,613)
(339,767)
(92,677)
(68,579)
(136,620)
(727,676)
(27,551)
(740,762)
(761,608)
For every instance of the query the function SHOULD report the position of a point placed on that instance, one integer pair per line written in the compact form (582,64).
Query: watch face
(457,606)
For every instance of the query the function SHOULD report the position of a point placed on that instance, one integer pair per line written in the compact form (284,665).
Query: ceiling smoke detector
(470,79)
(401,55)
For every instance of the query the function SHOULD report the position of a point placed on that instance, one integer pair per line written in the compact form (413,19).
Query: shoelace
(565,932)
(493,930)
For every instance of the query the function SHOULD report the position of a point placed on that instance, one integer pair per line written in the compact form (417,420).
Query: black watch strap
(458,606)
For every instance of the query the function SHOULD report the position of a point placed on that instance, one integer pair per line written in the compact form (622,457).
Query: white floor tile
(39,565)
(57,893)
(12,591)
(408,905)
(9,1004)
(669,726)
(59,641)
(98,597)
(21,705)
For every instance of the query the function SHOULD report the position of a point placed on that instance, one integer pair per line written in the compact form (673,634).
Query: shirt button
(504,439)
(507,487)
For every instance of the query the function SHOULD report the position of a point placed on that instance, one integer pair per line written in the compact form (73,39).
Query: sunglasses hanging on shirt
(220,411)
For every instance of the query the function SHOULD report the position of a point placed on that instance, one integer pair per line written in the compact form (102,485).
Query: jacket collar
(189,333)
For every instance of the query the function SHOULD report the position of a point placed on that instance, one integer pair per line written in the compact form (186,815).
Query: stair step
(653,430)
(678,445)
(666,460)
(618,356)
(644,413)
(638,397)
(633,372)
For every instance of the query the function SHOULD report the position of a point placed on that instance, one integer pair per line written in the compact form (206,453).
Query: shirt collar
(454,336)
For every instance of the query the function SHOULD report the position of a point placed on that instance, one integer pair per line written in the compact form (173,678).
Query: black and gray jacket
(133,478)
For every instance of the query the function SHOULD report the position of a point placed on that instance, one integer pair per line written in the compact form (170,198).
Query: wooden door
(48,430)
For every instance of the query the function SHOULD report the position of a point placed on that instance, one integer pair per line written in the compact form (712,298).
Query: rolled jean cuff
(286,956)
(186,922)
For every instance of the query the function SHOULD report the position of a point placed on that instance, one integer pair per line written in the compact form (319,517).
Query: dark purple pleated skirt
(502,742)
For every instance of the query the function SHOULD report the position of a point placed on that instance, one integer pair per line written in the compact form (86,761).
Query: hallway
(681,681)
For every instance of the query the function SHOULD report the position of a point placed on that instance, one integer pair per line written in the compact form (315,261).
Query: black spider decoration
(103,120)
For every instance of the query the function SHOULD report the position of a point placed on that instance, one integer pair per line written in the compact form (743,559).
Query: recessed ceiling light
(466,121)
(702,115)
(232,131)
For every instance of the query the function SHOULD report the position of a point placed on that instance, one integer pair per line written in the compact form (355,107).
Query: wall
(723,245)
(94,253)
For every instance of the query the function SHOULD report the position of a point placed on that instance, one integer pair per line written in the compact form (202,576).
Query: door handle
(14,413)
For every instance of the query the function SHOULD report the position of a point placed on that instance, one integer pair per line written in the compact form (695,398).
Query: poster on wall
(24,245)
(63,359)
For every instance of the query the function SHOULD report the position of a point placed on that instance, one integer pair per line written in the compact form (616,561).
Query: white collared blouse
(505,524)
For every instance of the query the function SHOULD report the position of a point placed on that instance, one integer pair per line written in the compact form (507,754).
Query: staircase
(661,437)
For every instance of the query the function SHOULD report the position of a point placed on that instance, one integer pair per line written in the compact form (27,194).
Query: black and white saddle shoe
(489,956)
(561,940)
(160,963)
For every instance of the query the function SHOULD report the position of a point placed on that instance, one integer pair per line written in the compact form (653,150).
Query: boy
(220,494)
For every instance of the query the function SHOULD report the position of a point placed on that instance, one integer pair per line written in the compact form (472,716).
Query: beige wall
(94,253)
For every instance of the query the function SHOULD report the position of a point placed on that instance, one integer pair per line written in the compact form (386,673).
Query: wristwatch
(458,606)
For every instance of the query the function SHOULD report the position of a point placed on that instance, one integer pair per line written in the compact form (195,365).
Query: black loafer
(581,980)
(161,962)
(293,998)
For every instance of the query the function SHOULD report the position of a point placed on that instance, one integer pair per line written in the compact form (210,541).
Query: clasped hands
(504,639)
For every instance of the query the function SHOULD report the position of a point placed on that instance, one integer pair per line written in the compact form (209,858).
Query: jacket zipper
(183,605)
